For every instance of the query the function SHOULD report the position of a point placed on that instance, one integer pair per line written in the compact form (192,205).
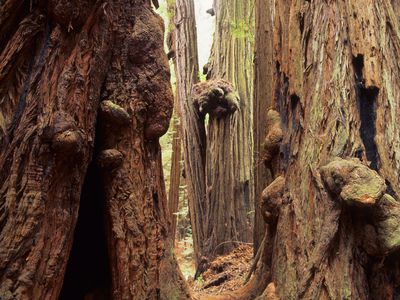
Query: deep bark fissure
(366,97)
(88,272)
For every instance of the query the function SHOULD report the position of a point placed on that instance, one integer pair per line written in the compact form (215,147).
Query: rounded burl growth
(68,142)
(387,224)
(215,97)
(273,137)
(356,183)
(65,138)
(271,200)
(363,188)
(110,159)
(114,114)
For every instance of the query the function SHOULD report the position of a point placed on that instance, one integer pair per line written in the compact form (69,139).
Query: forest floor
(225,273)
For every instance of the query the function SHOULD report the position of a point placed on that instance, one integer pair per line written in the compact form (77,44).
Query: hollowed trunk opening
(88,273)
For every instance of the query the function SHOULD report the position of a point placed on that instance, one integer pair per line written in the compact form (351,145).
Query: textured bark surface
(192,132)
(229,138)
(56,66)
(176,160)
(50,83)
(224,217)
(263,94)
(337,93)
(331,221)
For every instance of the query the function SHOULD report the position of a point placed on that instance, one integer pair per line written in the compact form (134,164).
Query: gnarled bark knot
(215,97)
(110,159)
(114,114)
(274,136)
(66,139)
(271,200)
(361,187)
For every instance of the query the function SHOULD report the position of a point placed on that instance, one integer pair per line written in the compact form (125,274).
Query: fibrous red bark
(60,60)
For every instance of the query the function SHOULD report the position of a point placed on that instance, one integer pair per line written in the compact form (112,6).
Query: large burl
(271,200)
(363,188)
(354,182)
(273,136)
(215,97)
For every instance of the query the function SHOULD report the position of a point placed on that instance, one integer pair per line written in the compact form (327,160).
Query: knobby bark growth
(59,66)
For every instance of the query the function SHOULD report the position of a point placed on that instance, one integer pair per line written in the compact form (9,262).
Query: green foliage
(202,77)
(200,280)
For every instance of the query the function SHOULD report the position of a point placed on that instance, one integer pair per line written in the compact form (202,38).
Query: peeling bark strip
(61,62)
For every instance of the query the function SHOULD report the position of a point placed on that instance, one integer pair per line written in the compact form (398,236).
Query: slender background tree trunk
(193,134)
(176,172)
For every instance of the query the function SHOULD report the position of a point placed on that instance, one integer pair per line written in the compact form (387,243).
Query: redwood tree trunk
(58,67)
(176,158)
(229,158)
(337,94)
(263,94)
(186,62)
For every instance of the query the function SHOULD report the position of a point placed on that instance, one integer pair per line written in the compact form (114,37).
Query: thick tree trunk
(50,87)
(337,93)
(332,223)
(229,138)
(57,68)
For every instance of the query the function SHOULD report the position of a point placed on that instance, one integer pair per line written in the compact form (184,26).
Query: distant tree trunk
(192,132)
(229,138)
(333,223)
(175,173)
(58,67)
(263,94)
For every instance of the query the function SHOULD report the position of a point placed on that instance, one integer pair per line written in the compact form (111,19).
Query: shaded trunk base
(88,272)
